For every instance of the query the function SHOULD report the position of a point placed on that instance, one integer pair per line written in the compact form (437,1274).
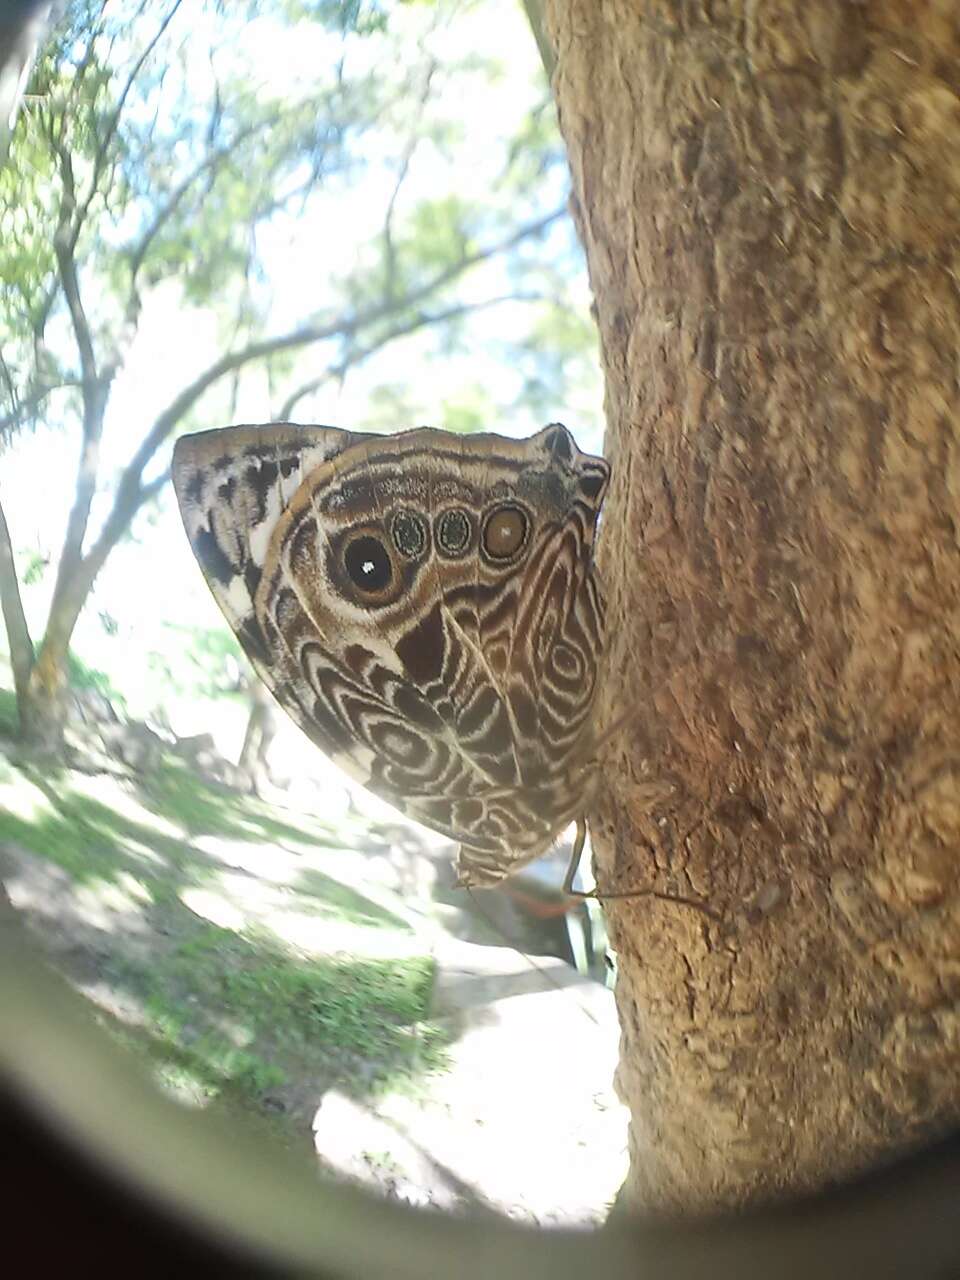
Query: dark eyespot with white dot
(453,532)
(505,532)
(367,563)
(409,534)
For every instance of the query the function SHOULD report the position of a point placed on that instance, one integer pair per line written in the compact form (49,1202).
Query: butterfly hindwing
(424,607)
(232,486)
(235,488)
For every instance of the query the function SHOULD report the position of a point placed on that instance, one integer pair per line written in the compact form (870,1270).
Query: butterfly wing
(540,627)
(233,486)
(363,577)
(267,510)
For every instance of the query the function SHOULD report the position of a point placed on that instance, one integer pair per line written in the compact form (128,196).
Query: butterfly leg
(574,863)
(581,837)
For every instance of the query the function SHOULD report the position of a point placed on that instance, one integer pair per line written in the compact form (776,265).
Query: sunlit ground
(298,974)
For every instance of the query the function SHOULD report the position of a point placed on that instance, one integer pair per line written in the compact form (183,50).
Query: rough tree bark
(768,192)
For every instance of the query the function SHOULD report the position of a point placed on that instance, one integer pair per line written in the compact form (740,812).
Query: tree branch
(343,326)
(71,555)
(25,405)
(114,121)
(18,633)
(64,244)
(131,493)
(150,490)
(211,162)
(131,496)
(95,390)
(422,320)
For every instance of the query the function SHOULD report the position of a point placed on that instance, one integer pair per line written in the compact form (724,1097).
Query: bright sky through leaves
(152,580)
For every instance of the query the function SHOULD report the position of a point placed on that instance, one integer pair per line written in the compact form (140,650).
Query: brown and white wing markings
(262,508)
(234,485)
(425,639)
(431,666)
(562,608)
(336,652)
(419,763)
(543,634)
(451,676)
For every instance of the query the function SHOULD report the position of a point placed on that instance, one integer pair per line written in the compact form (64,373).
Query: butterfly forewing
(423,605)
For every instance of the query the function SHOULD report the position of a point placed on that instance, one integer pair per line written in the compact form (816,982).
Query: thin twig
(114,122)
(421,320)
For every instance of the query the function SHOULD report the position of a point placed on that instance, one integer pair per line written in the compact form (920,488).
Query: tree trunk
(14,620)
(768,192)
(40,681)
(261,730)
(42,705)
(42,701)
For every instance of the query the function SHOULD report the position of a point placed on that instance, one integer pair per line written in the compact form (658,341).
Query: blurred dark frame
(104,1175)
(22,26)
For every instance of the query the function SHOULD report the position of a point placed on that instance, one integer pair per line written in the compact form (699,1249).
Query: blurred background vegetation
(348,213)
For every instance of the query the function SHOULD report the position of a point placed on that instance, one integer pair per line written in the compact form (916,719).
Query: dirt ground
(258,962)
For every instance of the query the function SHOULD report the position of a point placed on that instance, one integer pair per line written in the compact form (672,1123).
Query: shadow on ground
(201,926)
(276,966)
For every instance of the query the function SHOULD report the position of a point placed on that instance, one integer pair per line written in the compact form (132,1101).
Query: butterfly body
(424,606)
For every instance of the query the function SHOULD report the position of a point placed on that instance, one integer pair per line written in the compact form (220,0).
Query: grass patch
(366,1008)
(229,1018)
(327,896)
(216,1075)
(210,1056)
(177,793)
(9,720)
(92,840)
(242,1004)
(87,838)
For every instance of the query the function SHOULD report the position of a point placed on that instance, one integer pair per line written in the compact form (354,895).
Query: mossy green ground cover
(218,937)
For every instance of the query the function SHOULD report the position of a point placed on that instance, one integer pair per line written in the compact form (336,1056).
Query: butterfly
(425,606)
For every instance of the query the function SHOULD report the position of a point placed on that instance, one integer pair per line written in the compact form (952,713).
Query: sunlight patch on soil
(331,937)
(20,798)
(204,927)
(270,863)
(213,907)
(101,900)
(239,903)
(106,791)
(270,966)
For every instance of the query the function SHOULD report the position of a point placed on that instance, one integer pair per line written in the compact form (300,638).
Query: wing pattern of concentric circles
(424,606)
